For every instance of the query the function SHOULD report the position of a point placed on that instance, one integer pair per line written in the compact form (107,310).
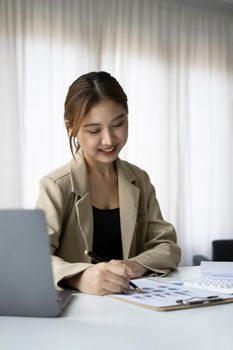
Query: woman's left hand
(133,268)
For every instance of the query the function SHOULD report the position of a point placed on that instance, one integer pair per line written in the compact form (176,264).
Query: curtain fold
(11,118)
(175,62)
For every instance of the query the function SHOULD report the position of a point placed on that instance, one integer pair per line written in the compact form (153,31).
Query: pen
(97,259)
(206,300)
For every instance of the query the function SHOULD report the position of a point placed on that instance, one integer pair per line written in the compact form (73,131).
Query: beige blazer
(146,237)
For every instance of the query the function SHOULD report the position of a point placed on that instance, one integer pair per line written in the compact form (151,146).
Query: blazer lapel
(80,185)
(128,202)
(85,219)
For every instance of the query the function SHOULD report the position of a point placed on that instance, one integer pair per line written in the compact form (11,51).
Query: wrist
(71,282)
(138,270)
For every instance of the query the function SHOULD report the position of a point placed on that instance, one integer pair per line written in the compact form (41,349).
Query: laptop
(26,280)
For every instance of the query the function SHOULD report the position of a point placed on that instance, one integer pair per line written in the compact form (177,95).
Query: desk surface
(93,323)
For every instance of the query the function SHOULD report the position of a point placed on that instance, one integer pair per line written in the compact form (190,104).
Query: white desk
(99,323)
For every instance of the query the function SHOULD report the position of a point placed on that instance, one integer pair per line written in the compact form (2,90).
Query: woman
(101,203)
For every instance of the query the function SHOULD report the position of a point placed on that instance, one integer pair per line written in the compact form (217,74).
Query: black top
(107,234)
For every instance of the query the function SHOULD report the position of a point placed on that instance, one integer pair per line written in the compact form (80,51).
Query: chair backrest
(222,250)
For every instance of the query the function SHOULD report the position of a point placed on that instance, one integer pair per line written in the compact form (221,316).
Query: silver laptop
(26,280)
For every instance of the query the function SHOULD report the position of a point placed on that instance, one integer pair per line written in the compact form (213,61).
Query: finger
(116,262)
(125,265)
(117,280)
(114,288)
(107,292)
(116,274)
(118,269)
(121,263)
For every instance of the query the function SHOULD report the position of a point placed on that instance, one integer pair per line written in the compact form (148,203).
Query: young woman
(101,203)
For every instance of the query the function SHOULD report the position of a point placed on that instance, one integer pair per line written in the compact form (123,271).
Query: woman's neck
(101,170)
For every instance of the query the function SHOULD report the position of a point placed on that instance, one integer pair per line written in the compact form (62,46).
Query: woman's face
(103,132)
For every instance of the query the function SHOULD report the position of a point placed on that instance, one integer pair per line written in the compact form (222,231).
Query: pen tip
(86,252)
(138,290)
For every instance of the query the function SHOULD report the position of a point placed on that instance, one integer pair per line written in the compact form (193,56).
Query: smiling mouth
(108,150)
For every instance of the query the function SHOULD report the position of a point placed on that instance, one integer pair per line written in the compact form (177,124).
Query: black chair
(222,250)
(197,259)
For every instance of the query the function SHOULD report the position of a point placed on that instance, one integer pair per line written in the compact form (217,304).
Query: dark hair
(85,92)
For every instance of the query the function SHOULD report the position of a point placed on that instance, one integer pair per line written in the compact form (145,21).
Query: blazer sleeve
(160,253)
(54,202)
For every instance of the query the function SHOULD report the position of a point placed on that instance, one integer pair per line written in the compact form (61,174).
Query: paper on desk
(217,269)
(162,294)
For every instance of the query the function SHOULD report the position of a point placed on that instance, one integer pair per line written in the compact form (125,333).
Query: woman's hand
(101,279)
(133,268)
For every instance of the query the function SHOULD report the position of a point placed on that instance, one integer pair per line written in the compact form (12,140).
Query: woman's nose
(107,138)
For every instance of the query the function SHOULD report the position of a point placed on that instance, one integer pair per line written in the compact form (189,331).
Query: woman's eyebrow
(122,115)
(98,124)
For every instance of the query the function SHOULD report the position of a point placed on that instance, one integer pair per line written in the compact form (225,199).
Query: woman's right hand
(101,279)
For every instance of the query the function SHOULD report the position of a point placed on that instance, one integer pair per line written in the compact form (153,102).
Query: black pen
(97,259)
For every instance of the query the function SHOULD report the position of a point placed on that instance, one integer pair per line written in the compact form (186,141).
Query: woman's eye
(117,125)
(93,131)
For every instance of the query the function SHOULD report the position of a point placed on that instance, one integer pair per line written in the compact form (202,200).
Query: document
(167,296)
